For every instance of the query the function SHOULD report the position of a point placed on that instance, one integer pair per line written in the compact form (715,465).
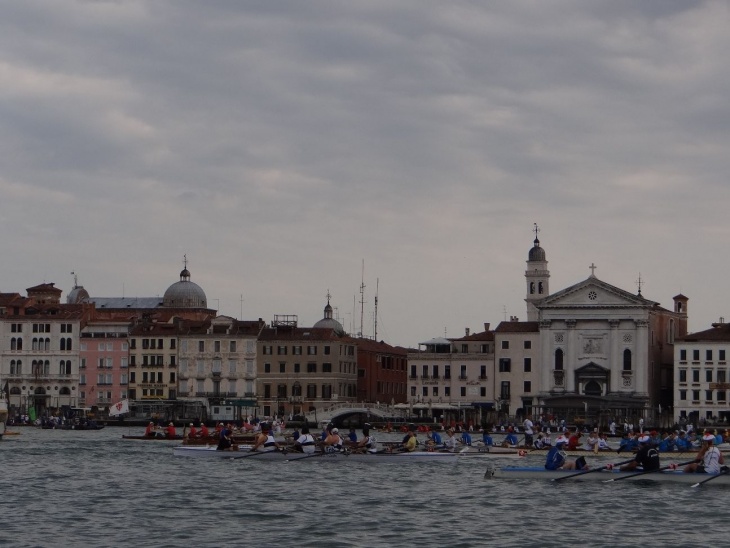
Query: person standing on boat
(709,459)
(647,456)
(528,426)
(305,443)
(265,440)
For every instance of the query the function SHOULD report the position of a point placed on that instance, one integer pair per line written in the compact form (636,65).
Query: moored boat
(668,476)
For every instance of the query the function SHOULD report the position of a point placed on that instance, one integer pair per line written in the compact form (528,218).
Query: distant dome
(184,294)
(328,322)
(77,295)
(536,252)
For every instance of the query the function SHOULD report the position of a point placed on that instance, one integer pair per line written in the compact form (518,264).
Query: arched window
(13,344)
(627,360)
(532,288)
(539,288)
(13,367)
(15,391)
(559,359)
(68,344)
(47,345)
(20,343)
(63,344)
(35,344)
(47,368)
(65,391)
(593,388)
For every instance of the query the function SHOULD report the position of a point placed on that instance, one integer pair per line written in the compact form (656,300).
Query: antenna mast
(375,328)
(362,297)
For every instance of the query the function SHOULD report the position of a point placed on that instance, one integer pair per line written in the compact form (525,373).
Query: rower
(647,456)
(555,460)
(709,459)
(333,441)
(367,444)
(265,440)
(411,443)
(305,443)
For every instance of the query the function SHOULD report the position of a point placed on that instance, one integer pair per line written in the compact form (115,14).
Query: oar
(257,453)
(317,454)
(725,471)
(584,472)
(649,471)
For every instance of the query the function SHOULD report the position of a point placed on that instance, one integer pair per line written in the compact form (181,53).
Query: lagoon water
(76,488)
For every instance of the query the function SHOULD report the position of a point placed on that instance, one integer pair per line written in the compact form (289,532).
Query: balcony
(463,377)
(425,377)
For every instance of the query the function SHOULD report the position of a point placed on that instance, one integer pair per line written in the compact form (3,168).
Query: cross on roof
(593,269)
(536,230)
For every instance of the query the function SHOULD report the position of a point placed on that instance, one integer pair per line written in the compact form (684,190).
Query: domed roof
(328,322)
(77,295)
(536,252)
(184,294)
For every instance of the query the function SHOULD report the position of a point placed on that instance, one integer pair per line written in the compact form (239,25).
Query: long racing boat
(669,476)
(244,452)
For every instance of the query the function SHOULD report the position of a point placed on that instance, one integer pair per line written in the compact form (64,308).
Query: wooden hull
(666,476)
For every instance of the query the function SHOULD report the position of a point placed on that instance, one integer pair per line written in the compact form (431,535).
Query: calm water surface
(67,488)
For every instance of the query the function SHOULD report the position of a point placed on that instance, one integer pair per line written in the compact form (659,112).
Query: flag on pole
(119,408)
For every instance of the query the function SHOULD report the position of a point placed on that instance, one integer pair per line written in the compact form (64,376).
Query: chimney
(467,331)
(486,326)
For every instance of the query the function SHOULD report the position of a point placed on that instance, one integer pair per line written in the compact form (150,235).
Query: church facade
(604,352)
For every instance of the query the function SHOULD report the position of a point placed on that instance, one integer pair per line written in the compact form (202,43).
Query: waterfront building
(452,376)
(516,369)
(301,369)
(701,381)
(604,351)
(103,363)
(381,372)
(39,351)
(217,364)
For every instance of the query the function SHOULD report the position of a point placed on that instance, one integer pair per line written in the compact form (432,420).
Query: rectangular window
(528,387)
(413,372)
(216,346)
(282,367)
(267,368)
(696,355)
(462,374)
(696,395)
(447,391)
(708,375)
(483,373)
(682,375)
(447,372)
(708,395)
(528,365)
(504,393)
(311,391)
(464,348)
(528,345)
(721,375)
(435,392)
(720,395)
(683,355)
(201,346)
(297,368)
(721,355)
(281,350)
(708,355)
(505,345)
(505,365)
(232,346)
(326,368)
(267,349)
(435,371)
(311,351)
(682,394)
(232,367)
(424,391)
(695,375)
(462,391)
(296,350)
(326,350)
(311,368)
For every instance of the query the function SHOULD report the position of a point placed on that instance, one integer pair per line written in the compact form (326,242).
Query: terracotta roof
(719,332)
(369,345)
(518,327)
(298,334)
(483,336)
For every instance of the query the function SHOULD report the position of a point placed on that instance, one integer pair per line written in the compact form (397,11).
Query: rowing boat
(244,451)
(668,476)
(528,452)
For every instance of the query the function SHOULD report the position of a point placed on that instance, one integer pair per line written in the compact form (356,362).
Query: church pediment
(591,369)
(591,293)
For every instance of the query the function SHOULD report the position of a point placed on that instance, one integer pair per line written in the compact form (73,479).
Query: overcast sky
(281,144)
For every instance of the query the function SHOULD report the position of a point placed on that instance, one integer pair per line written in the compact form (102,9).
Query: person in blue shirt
(667,444)
(555,460)
(683,442)
(466,438)
(511,438)
(487,439)
(352,436)
(434,439)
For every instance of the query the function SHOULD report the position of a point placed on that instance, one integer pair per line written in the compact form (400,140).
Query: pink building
(103,363)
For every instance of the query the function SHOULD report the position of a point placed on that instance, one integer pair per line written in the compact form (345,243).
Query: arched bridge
(378,412)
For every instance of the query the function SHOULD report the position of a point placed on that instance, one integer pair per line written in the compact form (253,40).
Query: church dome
(328,322)
(77,295)
(184,294)
(536,252)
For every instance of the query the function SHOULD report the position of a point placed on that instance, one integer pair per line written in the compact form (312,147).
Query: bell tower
(537,277)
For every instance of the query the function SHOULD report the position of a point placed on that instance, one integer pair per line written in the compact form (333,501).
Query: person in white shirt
(528,427)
